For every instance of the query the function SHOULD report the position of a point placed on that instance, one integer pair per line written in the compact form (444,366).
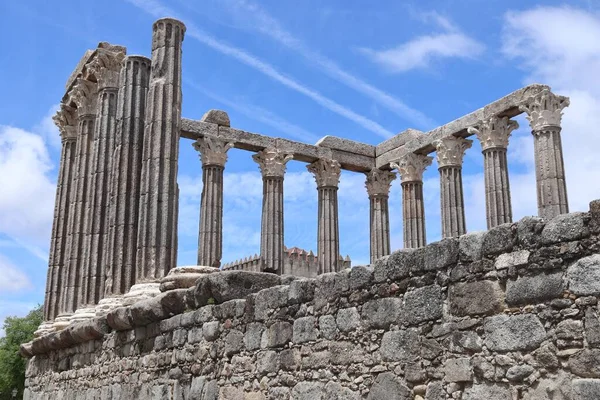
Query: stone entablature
(482,316)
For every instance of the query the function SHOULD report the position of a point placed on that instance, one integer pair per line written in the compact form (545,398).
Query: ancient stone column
(105,67)
(85,95)
(450,152)
(411,168)
(213,153)
(157,229)
(66,121)
(126,170)
(327,174)
(544,112)
(378,187)
(493,135)
(272,166)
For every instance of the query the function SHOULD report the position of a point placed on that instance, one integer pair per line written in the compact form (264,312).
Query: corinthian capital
(213,151)
(272,162)
(66,121)
(106,67)
(378,182)
(544,110)
(411,166)
(450,151)
(494,132)
(85,95)
(326,172)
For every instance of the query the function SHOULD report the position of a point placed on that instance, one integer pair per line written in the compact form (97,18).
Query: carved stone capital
(450,151)
(66,121)
(85,95)
(544,110)
(494,132)
(272,162)
(411,166)
(326,172)
(378,182)
(106,67)
(213,151)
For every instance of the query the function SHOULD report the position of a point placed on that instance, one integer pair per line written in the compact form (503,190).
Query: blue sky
(299,70)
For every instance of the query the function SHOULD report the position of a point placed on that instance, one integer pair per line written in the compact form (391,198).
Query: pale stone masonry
(213,153)
(411,168)
(450,152)
(544,112)
(494,134)
(378,185)
(327,175)
(159,194)
(125,176)
(272,167)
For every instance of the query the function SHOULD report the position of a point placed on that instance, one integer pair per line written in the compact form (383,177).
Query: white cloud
(157,9)
(559,46)
(47,129)
(27,195)
(422,51)
(11,278)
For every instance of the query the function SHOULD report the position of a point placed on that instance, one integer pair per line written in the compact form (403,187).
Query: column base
(83,314)
(184,277)
(108,304)
(62,321)
(45,328)
(141,291)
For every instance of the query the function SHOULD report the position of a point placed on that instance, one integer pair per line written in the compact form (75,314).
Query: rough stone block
(344,353)
(515,332)
(308,391)
(435,391)
(534,289)
(329,286)
(327,326)
(381,313)
(487,392)
(348,319)
(388,386)
(583,276)
(458,370)
(400,345)
(304,330)
(360,277)
(252,338)
(269,299)
(210,330)
(498,240)
(438,255)
(566,227)
(301,291)
(276,335)
(515,259)
(335,391)
(586,363)
(234,342)
(475,298)
(229,285)
(517,373)
(469,246)
(395,266)
(120,318)
(267,361)
(569,329)
(592,328)
(529,230)
(586,389)
(423,304)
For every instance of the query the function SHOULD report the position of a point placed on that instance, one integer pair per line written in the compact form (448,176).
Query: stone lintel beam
(357,161)
(507,106)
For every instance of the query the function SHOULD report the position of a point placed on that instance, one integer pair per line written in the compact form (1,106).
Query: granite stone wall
(506,314)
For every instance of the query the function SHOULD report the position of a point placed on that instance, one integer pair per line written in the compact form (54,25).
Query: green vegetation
(12,366)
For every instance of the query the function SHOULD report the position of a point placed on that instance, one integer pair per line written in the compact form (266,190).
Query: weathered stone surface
(510,333)
(592,327)
(360,277)
(278,334)
(488,392)
(381,313)
(327,326)
(267,361)
(184,277)
(470,245)
(270,299)
(335,391)
(348,319)
(400,345)
(583,277)
(304,330)
(517,373)
(388,386)
(439,255)
(423,304)
(498,240)
(553,387)
(308,391)
(458,370)
(474,298)
(534,289)
(586,363)
(395,266)
(586,389)
(515,259)
(565,227)
(529,230)
(229,285)
(301,290)
(218,117)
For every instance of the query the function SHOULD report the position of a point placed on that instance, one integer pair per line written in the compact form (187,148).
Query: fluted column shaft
(64,119)
(544,112)
(327,175)
(411,168)
(272,165)
(450,153)
(157,229)
(378,184)
(126,172)
(213,153)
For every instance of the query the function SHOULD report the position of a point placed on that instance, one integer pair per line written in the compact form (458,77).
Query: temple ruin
(113,282)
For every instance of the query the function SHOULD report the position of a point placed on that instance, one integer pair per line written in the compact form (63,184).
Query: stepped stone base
(184,277)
